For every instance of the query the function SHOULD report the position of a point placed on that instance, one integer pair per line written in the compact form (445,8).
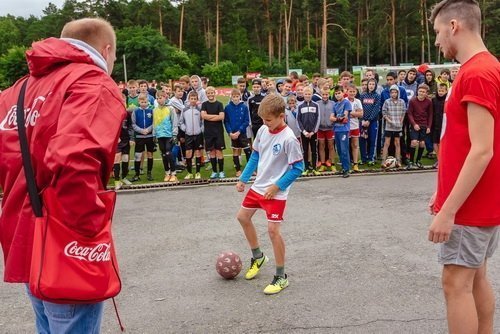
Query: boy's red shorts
(355,133)
(274,208)
(325,134)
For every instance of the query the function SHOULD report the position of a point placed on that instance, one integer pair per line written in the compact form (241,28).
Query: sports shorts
(354,133)
(419,135)
(142,144)
(123,147)
(194,142)
(392,134)
(240,142)
(469,246)
(274,208)
(325,134)
(214,142)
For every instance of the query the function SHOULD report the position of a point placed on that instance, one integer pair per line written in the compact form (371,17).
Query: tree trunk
(217,33)
(367,32)
(160,17)
(180,28)
(393,35)
(288,17)
(270,46)
(280,40)
(308,19)
(323,64)
(422,38)
(358,35)
(429,58)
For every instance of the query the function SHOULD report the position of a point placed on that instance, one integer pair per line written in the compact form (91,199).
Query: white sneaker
(197,176)
(118,185)
(126,182)
(222,175)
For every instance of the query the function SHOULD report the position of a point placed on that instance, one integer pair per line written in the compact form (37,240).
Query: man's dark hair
(466,11)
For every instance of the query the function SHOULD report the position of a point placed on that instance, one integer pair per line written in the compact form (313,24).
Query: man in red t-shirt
(467,202)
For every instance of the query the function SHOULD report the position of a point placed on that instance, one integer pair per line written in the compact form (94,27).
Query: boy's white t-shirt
(277,152)
(354,121)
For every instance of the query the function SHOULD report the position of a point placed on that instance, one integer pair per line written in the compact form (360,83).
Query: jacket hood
(53,52)
(396,88)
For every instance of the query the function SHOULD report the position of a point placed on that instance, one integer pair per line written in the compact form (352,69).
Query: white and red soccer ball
(228,265)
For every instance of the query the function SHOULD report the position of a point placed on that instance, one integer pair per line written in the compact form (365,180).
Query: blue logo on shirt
(276,149)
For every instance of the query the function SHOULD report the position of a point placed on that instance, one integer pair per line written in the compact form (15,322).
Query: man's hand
(428,130)
(271,192)
(430,206)
(416,127)
(240,186)
(441,227)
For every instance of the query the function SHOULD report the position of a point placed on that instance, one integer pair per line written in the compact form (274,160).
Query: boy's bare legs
(484,298)
(273,229)
(462,293)
(321,146)
(397,145)
(387,142)
(244,216)
(331,153)
(355,150)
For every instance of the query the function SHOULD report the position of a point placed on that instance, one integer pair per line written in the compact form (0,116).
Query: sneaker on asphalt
(126,181)
(355,168)
(222,175)
(345,174)
(409,165)
(214,175)
(315,172)
(150,177)
(278,284)
(188,176)
(118,184)
(197,176)
(255,265)
(136,178)
(304,173)
(322,168)
(419,165)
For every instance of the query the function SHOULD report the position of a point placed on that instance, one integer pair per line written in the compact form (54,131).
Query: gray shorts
(469,246)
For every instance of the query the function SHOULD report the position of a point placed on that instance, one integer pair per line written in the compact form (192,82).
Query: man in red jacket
(467,202)
(73,111)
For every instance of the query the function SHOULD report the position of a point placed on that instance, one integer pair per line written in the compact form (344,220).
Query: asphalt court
(356,255)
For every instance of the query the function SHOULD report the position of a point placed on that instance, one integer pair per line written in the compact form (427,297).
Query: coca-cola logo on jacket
(97,253)
(31,114)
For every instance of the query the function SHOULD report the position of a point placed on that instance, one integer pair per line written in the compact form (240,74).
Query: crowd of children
(334,123)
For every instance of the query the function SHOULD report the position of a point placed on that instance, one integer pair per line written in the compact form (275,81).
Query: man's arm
(481,133)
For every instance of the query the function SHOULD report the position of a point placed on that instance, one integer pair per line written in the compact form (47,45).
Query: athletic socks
(198,164)
(221,164)
(116,172)
(124,169)
(213,162)
(420,153)
(412,154)
(137,167)
(257,253)
(280,271)
(248,152)
(236,160)
(150,165)
(189,165)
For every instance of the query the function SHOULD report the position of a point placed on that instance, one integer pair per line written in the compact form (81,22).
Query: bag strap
(36,203)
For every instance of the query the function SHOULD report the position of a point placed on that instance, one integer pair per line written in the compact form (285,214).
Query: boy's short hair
(322,82)
(210,89)
(423,86)
(308,89)
(443,85)
(345,74)
(235,91)
(413,69)
(338,88)
(143,82)
(445,70)
(204,80)
(142,97)
(391,74)
(272,104)
(303,78)
(160,93)
(192,93)
(401,71)
(294,75)
(241,80)
(185,78)
(287,80)
(300,84)
(177,86)
(467,11)
(364,80)
(291,98)
(257,82)
(352,86)
(132,82)
(316,75)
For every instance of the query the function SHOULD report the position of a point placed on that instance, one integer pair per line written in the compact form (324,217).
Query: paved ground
(357,258)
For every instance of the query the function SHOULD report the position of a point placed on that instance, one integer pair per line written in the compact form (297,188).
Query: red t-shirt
(478,82)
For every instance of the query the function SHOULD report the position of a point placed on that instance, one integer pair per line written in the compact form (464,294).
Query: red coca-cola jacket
(73,113)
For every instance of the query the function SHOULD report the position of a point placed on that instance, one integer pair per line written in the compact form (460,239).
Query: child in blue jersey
(340,118)
(142,123)
(236,121)
(165,130)
(277,157)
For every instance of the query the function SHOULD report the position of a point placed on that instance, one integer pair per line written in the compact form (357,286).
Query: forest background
(164,39)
